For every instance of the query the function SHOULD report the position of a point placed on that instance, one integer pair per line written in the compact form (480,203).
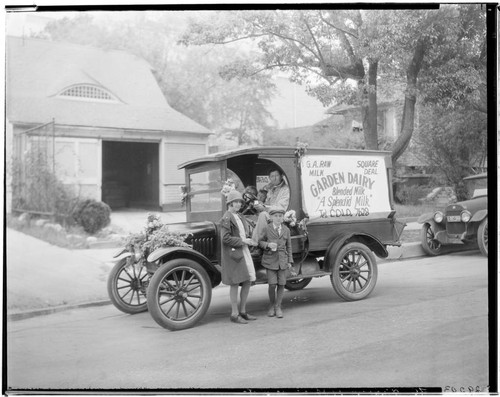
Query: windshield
(204,188)
(477,187)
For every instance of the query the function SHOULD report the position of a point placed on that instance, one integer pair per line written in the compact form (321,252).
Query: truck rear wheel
(179,294)
(354,272)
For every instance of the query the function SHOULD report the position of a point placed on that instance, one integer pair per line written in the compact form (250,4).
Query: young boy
(277,258)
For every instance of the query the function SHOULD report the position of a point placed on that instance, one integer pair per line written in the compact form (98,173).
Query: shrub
(92,215)
(410,195)
(36,188)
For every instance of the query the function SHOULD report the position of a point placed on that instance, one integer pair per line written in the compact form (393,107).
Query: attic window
(88,92)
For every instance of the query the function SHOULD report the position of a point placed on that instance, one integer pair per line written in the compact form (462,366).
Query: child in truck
(277,258)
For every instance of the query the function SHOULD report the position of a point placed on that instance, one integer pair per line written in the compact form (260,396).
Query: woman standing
(237,264)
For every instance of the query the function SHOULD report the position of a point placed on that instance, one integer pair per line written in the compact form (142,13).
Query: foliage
(92,215)
(453,143)
(154,236)
(455,74)
(410,195)
(329,50)
(35,186)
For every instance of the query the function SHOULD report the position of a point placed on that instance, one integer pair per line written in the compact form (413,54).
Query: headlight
(465,216)
(438,217)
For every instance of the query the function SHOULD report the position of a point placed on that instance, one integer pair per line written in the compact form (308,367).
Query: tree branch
(336,27)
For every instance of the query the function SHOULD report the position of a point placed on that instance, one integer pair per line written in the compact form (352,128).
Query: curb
(55,309)
(411,250)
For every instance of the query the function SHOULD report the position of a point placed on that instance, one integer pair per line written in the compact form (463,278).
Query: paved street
(425,325)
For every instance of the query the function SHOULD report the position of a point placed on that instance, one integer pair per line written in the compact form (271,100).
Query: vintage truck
(343,205)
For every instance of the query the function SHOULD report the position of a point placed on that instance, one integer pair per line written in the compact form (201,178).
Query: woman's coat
(234,269)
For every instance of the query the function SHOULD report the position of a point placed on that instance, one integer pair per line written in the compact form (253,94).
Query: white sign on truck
(343,187)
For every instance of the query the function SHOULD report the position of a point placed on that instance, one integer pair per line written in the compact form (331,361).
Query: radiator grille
(204,245)
(454,227)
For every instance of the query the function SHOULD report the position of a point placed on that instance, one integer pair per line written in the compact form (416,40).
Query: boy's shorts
(276,276)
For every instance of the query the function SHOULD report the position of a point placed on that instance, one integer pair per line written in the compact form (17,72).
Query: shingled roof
(39,70)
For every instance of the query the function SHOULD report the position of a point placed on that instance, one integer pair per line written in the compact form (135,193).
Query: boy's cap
(276,210)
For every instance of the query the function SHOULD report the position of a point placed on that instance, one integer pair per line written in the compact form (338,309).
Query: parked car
(342,217)
(464,222)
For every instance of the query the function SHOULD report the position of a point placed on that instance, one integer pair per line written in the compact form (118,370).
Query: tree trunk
(407,124)
(370,132)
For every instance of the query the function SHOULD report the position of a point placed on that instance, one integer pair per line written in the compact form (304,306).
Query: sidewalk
(43,278)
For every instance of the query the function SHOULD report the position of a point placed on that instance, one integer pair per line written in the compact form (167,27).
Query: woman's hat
(234,195)
(276,210)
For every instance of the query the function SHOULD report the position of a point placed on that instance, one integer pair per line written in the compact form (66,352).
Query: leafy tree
(328,50)
(234,108)
(453,142)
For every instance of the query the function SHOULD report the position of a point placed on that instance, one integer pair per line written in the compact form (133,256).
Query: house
(388,118)
(103,119)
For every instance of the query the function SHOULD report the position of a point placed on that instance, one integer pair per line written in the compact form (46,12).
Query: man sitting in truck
(278,195)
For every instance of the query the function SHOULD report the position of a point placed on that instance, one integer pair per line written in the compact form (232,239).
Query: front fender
(371,242)
(168,253)
(426,217)
(479,216)
(121,254)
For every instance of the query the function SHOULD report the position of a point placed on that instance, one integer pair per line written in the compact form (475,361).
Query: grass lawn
(410,211)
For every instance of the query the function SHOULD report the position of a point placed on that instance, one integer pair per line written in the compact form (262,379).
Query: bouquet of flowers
(290,218)
(227,187)
(155,235)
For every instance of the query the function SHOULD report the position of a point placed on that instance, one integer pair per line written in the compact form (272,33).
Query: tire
(179,294)
(354,272)
(429,244)
(482,237)
(295,285)
(127,285)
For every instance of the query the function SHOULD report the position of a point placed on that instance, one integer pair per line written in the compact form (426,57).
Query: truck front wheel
(179,294)
(354,272)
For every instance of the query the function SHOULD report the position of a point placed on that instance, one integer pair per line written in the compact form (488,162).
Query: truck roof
(275,151)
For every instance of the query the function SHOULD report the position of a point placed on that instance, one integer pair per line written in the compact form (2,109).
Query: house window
(88,92)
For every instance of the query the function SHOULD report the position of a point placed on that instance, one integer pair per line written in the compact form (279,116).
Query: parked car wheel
(295,285)
(482,237)
(354,272)
(127,285)
(429,244)
(179,294)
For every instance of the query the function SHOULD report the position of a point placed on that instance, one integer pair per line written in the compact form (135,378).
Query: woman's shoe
(271,312)
(247,316)
(237,319)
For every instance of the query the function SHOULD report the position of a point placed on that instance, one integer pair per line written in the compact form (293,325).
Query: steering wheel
(249,197)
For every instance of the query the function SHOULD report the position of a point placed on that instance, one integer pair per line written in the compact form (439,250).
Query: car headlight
(438,217)
(465,216)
